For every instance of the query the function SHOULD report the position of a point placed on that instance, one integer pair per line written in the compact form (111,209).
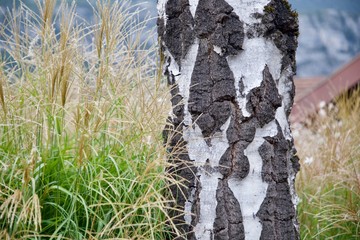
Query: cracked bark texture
(230,65)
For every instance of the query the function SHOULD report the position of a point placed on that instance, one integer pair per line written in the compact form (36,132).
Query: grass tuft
(81,152)
(329,181)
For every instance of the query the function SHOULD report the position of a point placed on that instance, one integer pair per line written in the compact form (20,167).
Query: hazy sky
(304,6)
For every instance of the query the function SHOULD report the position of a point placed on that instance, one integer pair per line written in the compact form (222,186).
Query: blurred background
(329,30)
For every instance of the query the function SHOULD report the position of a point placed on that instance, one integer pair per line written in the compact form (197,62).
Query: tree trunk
(230,64)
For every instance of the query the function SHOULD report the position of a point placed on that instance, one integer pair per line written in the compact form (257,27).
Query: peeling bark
(230,64)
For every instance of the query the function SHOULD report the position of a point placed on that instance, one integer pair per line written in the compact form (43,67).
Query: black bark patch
(222,77)
(280,24)
(266,151)
(242,131)
(212,90)
(228,222)
(263,101)
(216,21)
(234,163)
(178,34)
(207,123)
(201,82)
(274,153)
(225,163)
(241,165)
(221,111)
(278,165)
(277,214)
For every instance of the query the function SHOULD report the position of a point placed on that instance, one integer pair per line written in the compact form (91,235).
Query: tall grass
(82,110)
(329,181)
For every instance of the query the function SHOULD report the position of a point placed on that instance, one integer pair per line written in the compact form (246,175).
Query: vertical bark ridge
(281,26)
(228,222)
(277,208)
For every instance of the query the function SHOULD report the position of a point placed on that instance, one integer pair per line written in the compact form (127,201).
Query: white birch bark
(231,65)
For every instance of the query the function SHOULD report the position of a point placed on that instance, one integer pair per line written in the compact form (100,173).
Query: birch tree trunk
(230,64)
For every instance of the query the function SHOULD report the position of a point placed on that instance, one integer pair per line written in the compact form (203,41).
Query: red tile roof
(306,85)
(311,92)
